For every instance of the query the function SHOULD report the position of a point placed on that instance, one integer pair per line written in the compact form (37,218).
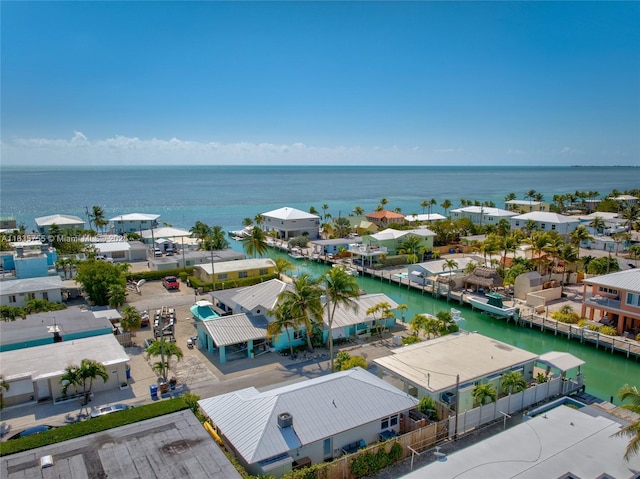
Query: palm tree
(70,377)
(484,393)
(200,231)
(215,239)
(305,303)
(598,224)
(97,216)
(402,308)
(445,205)
(424,204)
(283,320)
(88,371)
(324,207)
(4,386)
(579,235)
(513,382)
(358,211)
(117,294)
(340,290)
(384,308)
(632,430)
(165,350)
(432,202)
(410,246)
(255,243)
(247,222)
(531,194)
(131,318)
(283,266)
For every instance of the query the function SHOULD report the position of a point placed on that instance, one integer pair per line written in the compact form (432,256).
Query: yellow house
(234,270)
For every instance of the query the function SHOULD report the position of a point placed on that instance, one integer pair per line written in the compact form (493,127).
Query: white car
(104,410)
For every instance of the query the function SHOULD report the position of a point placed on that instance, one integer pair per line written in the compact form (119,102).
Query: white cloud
(124,150)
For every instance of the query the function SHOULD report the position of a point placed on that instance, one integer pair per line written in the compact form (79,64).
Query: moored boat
(492,303)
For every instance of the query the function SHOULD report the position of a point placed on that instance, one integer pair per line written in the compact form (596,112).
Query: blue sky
(442,83)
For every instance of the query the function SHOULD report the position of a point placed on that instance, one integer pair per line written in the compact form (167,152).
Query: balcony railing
(367,250)
(603,301)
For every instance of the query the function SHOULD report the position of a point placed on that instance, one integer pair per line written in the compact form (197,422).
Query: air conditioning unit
(285,420)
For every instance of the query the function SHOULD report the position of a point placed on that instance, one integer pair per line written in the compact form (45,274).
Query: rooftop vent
(285,420)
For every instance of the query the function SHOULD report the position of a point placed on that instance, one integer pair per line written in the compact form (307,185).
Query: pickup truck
(170,282)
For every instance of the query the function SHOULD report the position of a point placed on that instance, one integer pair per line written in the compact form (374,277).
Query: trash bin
(153,390)
(452,250)
(128,373)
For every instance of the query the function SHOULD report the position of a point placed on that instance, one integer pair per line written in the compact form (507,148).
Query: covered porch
(234,337)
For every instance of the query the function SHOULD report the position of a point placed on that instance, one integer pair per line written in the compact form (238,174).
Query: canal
(604,372)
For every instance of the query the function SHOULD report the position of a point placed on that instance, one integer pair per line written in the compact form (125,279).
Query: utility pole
(455,433)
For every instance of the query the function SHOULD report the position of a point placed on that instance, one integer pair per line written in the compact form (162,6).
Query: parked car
(30,431)
(170,282)
(157,252)
(169,252)
(104,410)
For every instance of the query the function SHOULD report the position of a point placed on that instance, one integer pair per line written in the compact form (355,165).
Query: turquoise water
(604,372)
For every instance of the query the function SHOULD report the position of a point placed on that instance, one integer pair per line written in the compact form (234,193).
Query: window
(263,271)
(222,276)
(384,424)
(517,224)
(327,446)
(553,227)
(633,299)
(243,274)
(12,299)
(45,296)
(298,335)
(394,420)
(31,296)
(611,291)
(543,226)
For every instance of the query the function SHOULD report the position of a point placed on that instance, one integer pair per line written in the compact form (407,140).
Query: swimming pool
(203,313)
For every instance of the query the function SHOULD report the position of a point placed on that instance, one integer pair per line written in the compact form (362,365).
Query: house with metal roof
(391,240)
(44,223)
(133,223)
(525,206)
(16,292)
(290,222)
(455,362)
(274,431)
(545,221)
(428,272)
(47,328)
(230,271)
(482,215)
(36,376)
(614,299)
(129,251)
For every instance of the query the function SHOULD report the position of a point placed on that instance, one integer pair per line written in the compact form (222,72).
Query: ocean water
(225,195)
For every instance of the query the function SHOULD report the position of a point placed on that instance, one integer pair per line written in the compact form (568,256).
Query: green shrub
(232,283)
(158,275)
(411,339)
(566,315)
(609,330)
(368,463)
(582,323)
(638,337)
(427,406)
(90,426)
(594,327)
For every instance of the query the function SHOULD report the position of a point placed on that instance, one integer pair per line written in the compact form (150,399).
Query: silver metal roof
(321,407)
(235,329)
(348,316)
(30,285)
(263,294)
(627,280)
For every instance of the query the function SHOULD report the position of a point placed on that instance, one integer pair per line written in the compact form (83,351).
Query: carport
(237,335)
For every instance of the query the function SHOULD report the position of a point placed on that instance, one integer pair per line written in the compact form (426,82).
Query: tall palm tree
(324,207)
(358,211)
(598,224)
(402,308)
(424,204)
(579,235)
(384,308)
(4,386)
(200,231)
(165,351)
(247,222)
(432,202)
(445,205)
(305,303)
(283,320)
(484,393)
(340,290)
(632,430)
(283,266)
(70,378)
(531,194)
(410,246)
(513,382)
(255,243)
(88,371)
(97,216)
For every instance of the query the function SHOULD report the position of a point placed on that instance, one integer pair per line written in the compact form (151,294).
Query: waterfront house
(7,223)
(482,215)
(231,271)
(133,223)
(424,218)
(355,322)
(332,246)
(391,240)
(44,223)
(457,362)
(614,299)
(275,431)
(47,328)
(545,221)
(428,272)
(290,222)
(525,206)
(35,376)
(384,218)
(16,292)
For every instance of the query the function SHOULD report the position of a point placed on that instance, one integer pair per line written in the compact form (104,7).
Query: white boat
(296,253)
(492,303)
(349,270)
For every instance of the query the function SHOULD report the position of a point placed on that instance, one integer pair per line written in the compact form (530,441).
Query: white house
(525,206)
(546,221)
(308,422)
(133,223)
(36,376)
(129,251)
(290,222)
(16,292)
(44,223)
(482,215)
